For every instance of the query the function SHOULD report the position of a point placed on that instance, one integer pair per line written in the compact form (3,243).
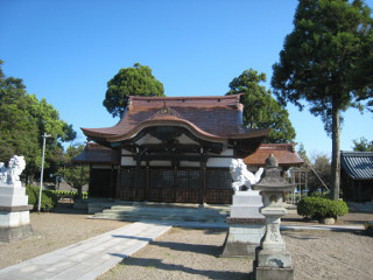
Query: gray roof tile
(358,165)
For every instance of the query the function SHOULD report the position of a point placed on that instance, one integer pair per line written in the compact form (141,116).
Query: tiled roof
(212,117)
(284,153)
(97,154)
(358,165)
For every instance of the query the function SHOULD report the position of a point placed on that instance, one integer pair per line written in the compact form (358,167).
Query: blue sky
(66,51)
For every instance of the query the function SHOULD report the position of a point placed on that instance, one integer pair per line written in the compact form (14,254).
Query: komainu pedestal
(14,208)
(246,224)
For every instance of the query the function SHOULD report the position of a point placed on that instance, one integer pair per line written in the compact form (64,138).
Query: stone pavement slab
(87,259)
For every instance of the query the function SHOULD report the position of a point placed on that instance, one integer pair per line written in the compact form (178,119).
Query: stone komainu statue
(11,174)
(243,179)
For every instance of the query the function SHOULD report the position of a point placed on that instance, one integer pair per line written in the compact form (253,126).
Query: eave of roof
(97,154)
(358,165)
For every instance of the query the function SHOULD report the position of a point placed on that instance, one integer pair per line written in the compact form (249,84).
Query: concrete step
(137,213)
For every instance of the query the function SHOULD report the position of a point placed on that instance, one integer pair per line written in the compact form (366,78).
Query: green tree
(302,152)
(327,49)
(23,119)
(137,80)
(363,145)
(75,175)
(321,166)
(261,110)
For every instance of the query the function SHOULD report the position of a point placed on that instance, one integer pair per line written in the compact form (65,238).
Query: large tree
(137,80)
(23,119)
(261,110)
(329,47)
(75,175)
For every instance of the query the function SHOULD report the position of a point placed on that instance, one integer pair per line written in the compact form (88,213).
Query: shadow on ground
(159,264)
(192,270)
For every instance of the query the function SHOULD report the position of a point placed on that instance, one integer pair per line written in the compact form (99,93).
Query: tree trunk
(80,192)
(336,169)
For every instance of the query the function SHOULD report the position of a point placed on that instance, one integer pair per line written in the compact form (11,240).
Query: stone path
(88,259)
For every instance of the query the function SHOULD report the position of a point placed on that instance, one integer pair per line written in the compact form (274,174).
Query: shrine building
(170,149)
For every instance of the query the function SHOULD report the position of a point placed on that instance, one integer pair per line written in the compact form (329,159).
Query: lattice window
(218,179)
(188,179)
(161,178)
(127,178)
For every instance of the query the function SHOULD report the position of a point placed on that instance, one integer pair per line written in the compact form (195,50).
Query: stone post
(273,261)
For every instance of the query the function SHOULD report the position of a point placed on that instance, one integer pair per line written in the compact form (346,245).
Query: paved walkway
(88,259)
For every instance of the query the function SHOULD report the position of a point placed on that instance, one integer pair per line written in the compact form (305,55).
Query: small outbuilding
(357,176)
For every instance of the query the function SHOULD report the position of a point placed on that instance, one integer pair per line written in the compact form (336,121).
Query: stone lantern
(273,261)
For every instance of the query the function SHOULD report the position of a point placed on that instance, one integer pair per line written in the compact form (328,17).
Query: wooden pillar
(147,182)
(118,194)
(203,181)
(137,177)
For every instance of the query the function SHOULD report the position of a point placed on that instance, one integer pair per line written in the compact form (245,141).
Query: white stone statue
(243,177)
(11,174)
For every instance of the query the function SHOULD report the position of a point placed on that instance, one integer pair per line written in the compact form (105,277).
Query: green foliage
(363,145)
(48,198)
(302,152)
(321,165)
(316,207)
(23,119)
(261,110)
(322,60)
(137,80)
(75,175)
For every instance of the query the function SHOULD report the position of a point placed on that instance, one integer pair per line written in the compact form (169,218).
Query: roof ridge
(357,153)
(233,96)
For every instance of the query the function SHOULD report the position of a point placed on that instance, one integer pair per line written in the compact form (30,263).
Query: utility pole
(45,136)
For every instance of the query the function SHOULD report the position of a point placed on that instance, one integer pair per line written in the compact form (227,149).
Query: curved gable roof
(214,118)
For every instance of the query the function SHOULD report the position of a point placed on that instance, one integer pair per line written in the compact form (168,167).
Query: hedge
(48,198)
(315,207)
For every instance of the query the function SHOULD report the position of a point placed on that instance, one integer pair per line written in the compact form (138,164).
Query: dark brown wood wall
(174,185)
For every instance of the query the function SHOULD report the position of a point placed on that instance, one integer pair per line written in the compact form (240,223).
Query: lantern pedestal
(273,261)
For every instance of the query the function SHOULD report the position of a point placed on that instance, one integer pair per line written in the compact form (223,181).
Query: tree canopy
(137,80)
(330,46)
(75,175)
(261,110)
(363,145)
(23,119)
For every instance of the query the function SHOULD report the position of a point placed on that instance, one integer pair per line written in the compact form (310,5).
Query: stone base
(243,237)
(8,234)
(269,258)
(274,273)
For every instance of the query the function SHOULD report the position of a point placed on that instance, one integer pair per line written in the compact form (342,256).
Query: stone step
(137,213)
(131,217)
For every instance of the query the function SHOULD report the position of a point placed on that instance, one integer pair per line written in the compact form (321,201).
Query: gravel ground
(193,254)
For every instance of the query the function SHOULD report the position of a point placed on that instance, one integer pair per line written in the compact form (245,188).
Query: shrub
(48,198)
(316,207)
(60,193)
